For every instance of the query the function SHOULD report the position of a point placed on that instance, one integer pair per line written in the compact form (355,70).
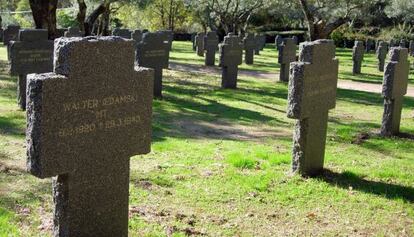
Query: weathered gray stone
(249,47)
(394,88)
(357,57)
(11,33)
(32,53)
(153,52)
(278,41)
(382,52)
(1,34)
(369,44)
(231,56)
(83,125)
(295,39)
(411,48)
(60,32)
(211,42)
(262,40)
(312,93)
(258,44)
(287,54)
(199,41)
(193,36)
(403,43)
(124,33)
(137,36)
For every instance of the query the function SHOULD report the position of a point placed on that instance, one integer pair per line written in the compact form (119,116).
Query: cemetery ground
(220,162)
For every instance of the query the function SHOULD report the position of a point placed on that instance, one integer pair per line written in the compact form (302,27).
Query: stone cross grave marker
(11,33)
(287,54)
(74,32)
(249,47)
(231,56)
(411,48)
(278,41)
(199,41)
(33,53)
(211,42)
(403,43)
(124,33)
(368,45)
(258,44)
(193,36)
(394,87)
(137,36)
(153,52)
(262,39)
(83,125)
(312,93)
(357,57)
(382,52)
(295,39)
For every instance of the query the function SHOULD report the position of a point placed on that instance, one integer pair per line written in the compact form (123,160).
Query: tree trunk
(90,21)
(44,15)
(81,16)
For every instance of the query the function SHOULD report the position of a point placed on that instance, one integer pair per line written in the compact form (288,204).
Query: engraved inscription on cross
(393,90)
(312,93)
(33,53)
(84,122)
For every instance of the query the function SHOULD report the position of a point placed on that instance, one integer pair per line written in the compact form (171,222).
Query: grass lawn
(220,165)
(266,62)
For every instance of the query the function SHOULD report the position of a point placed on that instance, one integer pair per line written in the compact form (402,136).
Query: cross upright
(32,53)
(382,51)
(211,42)
(231,56)
(278,41)
(357,57)
(287,54)
(394,87)
(249,46)
(84,122)
(153,52)
(199,42)
(312,93)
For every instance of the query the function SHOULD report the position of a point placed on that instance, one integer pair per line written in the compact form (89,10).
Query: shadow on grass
(348,179)
(367,98)
(12,125)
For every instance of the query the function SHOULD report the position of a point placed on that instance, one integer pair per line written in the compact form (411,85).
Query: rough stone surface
(193,36)
(287,54)
(199,42)
(394,87)
(249,47)
(83,125)
(312,93)
(32,53)
(357,56)
(11,33)
(153,52)
(74,32)
(258,44)
(124,33)
(211,42)
(231,56)
(382,52)
(369,44)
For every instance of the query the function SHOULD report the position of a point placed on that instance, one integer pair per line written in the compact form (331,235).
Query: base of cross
(229,77)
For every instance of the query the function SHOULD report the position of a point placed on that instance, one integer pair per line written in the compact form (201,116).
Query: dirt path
(343,84)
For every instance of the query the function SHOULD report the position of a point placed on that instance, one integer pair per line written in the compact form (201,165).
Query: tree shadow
(349,179)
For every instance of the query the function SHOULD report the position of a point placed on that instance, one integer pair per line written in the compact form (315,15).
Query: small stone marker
(74,32)
(357,57)
(382,52)
(153,52)
(124,33)
(33,53)
(394,43)
(312,93)
(169,36)
(295,39)
(83,125)
(411,48)
(11,33)
(137,36)
(368,45)
(249,47)
(263,40)
(403,43)
(193,36)
(211,42)
(231,56)
(394,87)
(258,44)
(1,34)
(287,54)
(199,41)
(278,41)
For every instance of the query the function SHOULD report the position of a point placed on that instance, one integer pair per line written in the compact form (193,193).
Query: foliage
(402,10)
(66,19)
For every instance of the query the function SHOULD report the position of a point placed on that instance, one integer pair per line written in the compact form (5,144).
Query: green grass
(220,166)
(266,62)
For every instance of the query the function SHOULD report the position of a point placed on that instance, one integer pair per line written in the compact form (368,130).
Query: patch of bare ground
(221,129)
